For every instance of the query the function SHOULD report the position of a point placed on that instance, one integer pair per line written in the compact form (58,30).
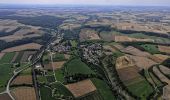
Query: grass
(58,57)
(61,89)
(59,75)
(50,79)
(141,89)
(42,79)
(103,89)
(26,72)
(7,57)
(153,49)
(76,66)
(6,72)
(46,93)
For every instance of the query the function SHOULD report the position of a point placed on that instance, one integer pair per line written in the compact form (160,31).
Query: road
(35,59)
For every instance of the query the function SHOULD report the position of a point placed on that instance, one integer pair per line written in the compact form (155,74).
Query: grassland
(5,74)
(46,93)
(18,58)
(76,66)
(58,57)
(103,89)
(153,49)
(59,75)
(7,58)
(141,89)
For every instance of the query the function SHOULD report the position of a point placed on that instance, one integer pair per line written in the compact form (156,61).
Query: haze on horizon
(92,2)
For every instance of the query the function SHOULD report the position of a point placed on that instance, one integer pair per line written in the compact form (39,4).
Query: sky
(92,2)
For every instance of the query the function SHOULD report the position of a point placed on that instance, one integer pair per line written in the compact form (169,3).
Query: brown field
(161,57)
(141,27)
(134,51)
(166,92)
(26,79)
(165,49)
(11,25)
(57,65)
(26,55)
(1,55)
(128,73)
(23,47)
(13,59)
(5,96)
(142,62)
(123,62)
(67,56)
(165,70)
(24,93)
(88,34)
(118,46)
(81,88)
(110,48)
(166,89)
(107,37)
(128,39)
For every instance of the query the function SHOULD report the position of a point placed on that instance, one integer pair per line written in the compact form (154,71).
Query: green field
(153,49)
(141,89)
(27,71)
(58,57)
(103,89)
(7,57)
(76,66)
(50,79)
(61,89)
(6,72)
(42,79)
(46,93)
(59,75)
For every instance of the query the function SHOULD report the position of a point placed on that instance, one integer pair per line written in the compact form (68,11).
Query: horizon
(88,2)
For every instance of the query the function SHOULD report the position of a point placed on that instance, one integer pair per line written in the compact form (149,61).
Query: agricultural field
(103,89)
(29,46)
(5,96)
(5,75)
(81,88)
(88,34)
(153,49)
(24,93)
(21,80)
(7,58)
(76,66)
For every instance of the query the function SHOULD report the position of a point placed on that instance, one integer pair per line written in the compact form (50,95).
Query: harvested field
(5,96)
(88,34)
(66,56)
(161,76)
(26,55)
(164,70)
(166,92)
(28,46)
(166,89)
(58,65)
(19,80)
(110,48)
(123,62)
(118,46)
(142,62)
(161,57)
(129,39)
(165,49)
(128,73)
(1,55)
(156,59)
(134,51)
(81,88)
(24,93)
